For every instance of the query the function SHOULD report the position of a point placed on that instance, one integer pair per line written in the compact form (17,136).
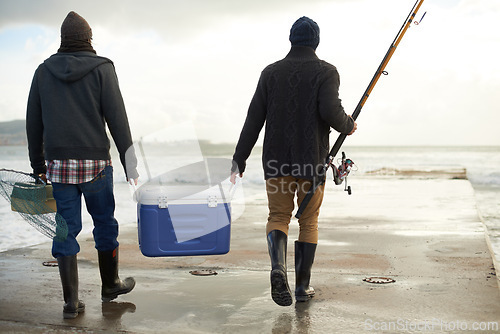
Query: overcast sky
(199,61)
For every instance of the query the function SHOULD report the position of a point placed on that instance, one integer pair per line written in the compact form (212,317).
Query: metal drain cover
(50,263)
(204,272)
(379,280)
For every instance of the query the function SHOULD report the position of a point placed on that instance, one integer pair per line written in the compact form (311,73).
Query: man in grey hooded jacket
(73,95)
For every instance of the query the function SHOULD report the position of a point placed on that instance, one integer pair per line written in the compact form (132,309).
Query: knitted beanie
(74,27)
(305,32)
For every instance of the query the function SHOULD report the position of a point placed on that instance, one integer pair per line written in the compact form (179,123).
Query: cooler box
(183,220)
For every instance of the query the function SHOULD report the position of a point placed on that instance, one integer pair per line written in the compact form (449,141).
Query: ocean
(480,165)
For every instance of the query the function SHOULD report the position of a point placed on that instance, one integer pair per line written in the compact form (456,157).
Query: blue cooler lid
(155,194)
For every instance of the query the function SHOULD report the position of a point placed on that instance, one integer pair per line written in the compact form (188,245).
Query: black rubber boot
(304,258)
(112,286)
(68,270)
(280,291)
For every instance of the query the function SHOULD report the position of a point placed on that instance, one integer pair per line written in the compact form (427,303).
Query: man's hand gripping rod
(320,178)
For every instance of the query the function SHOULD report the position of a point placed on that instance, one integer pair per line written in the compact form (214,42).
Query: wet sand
(423,233)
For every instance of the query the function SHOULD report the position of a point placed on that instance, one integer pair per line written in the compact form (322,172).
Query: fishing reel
(341,172)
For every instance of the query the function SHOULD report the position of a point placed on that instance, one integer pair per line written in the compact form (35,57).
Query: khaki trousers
(281,194)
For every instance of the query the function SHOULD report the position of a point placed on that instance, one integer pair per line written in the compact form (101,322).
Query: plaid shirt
(74,171)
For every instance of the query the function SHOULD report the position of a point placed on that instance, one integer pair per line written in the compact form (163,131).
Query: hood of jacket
(70,67)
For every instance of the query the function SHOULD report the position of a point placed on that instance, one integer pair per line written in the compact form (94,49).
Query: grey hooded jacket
(72,98)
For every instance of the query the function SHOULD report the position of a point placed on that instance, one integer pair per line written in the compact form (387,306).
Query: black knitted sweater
(298,100)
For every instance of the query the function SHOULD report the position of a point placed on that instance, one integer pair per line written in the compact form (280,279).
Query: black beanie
(74,27)
(305,32)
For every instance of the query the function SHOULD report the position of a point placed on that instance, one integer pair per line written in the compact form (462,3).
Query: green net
(32,199)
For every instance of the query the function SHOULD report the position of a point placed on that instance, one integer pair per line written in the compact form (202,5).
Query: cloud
(175,20)
(200,61)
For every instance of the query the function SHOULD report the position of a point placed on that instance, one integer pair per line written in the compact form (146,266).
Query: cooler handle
(234,187)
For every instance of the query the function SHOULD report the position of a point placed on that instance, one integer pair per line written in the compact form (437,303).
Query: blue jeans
(100,202)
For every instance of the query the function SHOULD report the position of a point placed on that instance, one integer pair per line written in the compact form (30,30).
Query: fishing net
(32,199)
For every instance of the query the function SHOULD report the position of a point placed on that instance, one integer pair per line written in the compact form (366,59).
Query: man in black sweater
(298,100)
(74,94)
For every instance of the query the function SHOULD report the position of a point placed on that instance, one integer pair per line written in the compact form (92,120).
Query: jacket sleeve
(254,122)
(330,106)
(113,109)
(34,128)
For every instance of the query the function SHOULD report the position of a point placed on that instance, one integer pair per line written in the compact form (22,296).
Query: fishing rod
(344,168)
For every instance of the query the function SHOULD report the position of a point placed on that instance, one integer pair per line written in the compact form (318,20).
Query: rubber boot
(304,258)
(112,286)
(68,270)
(280,291)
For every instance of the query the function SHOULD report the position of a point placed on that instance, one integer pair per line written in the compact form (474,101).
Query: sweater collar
(301,52)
